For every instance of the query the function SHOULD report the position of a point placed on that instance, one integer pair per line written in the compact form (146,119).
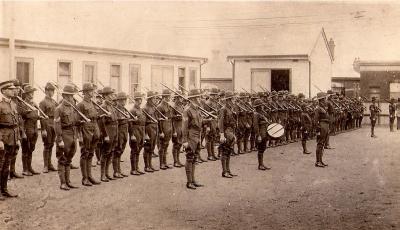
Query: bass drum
(275,130)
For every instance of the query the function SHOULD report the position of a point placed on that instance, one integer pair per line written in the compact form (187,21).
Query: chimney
(331,45)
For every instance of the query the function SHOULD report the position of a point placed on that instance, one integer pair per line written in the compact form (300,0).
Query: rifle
(198,106)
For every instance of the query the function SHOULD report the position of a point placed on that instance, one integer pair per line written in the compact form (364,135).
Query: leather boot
(213,151)
(209,152)
(14,174)
(304,144)
(321,154)
(85,180)
(150,158)
(61,174)
(146,162)
(25,168)
(162,161)
(239,147)
(133,165)
(30,165)
(4,190)
(1,195)
(45,161)
(119,168)
(318,160)
(50,165)
(261,165)
(228,160)
(188,169)
(89,172)
(103,162)
(67,177)
(179,161)
(137,164)
(109,161)
(224,170)
(116,173)
(194,182)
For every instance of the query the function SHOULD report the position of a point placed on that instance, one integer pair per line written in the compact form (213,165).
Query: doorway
(280,79)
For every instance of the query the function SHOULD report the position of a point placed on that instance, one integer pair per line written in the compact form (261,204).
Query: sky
(364,29)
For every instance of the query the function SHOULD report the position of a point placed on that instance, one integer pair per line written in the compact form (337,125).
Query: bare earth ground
(359,190)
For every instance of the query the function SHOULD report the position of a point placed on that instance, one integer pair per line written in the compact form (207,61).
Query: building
(348,86)
(306,70)
(380,79)
(220,83)
(124,70)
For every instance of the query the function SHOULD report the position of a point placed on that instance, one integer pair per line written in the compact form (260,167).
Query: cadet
(373,114)
(192,124)
(136,133)
(109,128)
(166,129)
(122,134)
(306,124)
(65,121)
(260,124)
(177,135)
(9,135)
(211,106)
(30,125)
(90,134)
(322,119)
(227,126)
(151,130)
(48,106)
(392,113)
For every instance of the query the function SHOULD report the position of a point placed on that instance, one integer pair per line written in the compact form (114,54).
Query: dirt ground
(359,190)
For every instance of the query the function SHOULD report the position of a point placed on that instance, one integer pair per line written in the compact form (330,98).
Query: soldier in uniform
(9,133)
(90,134)
(137,133)
(151,130)
(322,119)
(227,126)
(98,149)
(373,115)
(392,113)
(211,125)
(122,139)
(30,125)
(166,129)
(306,124)
(330,110)
(48,106)
(192,124)
(65,122)
(177,140)
(260,124)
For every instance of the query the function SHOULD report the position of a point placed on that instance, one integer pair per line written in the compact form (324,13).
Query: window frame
(92,63)
(119,77)
(31,69)
(196,77)
(58,69)
(139,83)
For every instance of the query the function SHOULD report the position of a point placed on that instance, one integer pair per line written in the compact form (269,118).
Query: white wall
(46,65)
(321,67)
(298,70)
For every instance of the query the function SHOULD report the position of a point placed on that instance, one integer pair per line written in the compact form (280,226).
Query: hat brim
(29,91)
(197,95)
(226,98)
(69,93)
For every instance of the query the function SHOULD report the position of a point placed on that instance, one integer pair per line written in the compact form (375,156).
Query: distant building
(379,79)
(220,83)
(124,70)
(299,63)
(348,86)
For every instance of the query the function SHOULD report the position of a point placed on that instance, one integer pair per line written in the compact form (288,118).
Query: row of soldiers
(103,126)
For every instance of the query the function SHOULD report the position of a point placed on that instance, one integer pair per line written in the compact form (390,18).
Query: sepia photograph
(225,115)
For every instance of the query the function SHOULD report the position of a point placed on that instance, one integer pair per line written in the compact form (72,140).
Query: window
(24,71)
(90,72)
(161,74)
(193,79)
(115,79)
(134,76)
(181,77)
(64,73)
(394,90)
(374,91)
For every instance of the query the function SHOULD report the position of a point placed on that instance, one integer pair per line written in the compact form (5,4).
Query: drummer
(260,124)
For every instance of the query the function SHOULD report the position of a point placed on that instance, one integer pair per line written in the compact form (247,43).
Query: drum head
(275,130)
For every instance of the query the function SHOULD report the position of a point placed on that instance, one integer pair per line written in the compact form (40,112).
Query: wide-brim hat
(7,85)
(257,102)
(69,89)
(321,95)
(49,86)
(121,96)
(194,93)
(107,90)
(87,87)
(166,92)
(28,89)
(151,94)
(138,95)
(213,91)
(229,95)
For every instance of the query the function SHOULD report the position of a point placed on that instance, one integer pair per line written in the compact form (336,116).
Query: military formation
(97,121)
